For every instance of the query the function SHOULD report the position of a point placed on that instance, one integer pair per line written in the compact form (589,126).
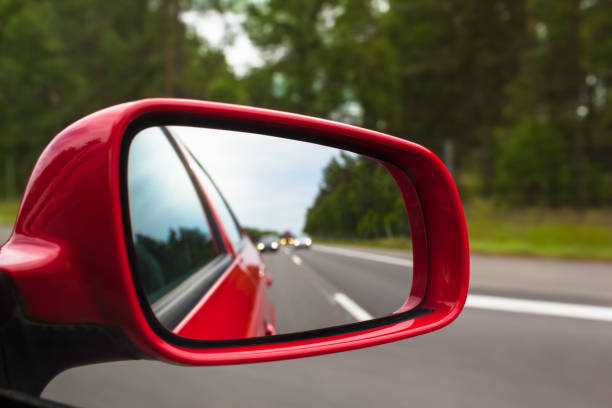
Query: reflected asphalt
(486,358)
(306,283)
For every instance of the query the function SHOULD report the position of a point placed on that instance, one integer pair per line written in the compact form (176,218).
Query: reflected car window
(171,234)
(218,202)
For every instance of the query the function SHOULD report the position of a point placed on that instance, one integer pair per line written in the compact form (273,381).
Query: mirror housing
(68,261)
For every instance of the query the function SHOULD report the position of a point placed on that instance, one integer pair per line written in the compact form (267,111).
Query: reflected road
(313,288)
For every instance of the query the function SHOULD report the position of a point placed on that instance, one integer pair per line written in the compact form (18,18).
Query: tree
(60,61)
(357,198)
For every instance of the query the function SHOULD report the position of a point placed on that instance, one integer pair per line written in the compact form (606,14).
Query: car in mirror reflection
(302,241)
(268,243)
(287,238)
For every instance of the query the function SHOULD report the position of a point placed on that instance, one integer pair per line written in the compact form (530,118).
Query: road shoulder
(554,279)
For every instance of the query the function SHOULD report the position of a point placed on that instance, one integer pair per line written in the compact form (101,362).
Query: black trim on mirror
(182,119)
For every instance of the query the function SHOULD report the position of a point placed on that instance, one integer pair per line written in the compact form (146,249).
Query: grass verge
(534,231)
(541,232)
(8,212)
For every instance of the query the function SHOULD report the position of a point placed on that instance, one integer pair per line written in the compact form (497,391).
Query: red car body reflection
(237,305)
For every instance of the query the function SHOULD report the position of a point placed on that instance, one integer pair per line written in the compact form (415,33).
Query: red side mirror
(69,267)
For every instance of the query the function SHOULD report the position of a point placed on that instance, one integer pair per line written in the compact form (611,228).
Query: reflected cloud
(269,181)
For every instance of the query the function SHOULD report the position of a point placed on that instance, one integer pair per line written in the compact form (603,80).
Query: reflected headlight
(260,246)
(274,245)
(308,241)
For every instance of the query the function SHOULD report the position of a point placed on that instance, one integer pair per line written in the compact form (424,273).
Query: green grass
(8,212)
(541,232)
(561,233)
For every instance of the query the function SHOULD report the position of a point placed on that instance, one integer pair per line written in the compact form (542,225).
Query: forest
(514,95)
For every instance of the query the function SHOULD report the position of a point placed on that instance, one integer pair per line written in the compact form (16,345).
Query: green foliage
(532,231)
(554,143)
(502,79)
(521,87)
(62,60)
(533,165)
(540,231)
(8,212)
(358,198)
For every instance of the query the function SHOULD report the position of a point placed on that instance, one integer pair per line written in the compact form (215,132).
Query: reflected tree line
(164,264)
(358,198)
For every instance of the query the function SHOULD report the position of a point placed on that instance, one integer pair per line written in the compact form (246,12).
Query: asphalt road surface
(489,357)
(5,231)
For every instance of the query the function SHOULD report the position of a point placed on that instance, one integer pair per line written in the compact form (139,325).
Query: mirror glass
(238,235)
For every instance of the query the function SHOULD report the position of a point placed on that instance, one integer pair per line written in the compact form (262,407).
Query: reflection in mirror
(239,235)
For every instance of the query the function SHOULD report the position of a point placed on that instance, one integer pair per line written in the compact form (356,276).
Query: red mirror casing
(67,256)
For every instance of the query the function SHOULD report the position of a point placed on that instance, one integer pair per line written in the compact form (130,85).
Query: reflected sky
(162,197)
(269,182)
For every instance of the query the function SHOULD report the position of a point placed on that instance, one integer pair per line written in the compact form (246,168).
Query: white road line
(516,305)
(351,307)
(538,307)
(296,259)
(364,255)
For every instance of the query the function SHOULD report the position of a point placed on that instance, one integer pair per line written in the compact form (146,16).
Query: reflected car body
(237,305)
(268,243)
(302,241)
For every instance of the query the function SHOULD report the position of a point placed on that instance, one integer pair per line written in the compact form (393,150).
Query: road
(486,358)
(5,231)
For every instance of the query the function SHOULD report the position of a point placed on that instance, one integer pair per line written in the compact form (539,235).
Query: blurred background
(512,95)
(515,97)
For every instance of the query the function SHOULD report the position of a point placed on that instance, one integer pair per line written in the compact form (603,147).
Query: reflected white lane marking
(351,307)
(296,259)
(539,307)
(364,255)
